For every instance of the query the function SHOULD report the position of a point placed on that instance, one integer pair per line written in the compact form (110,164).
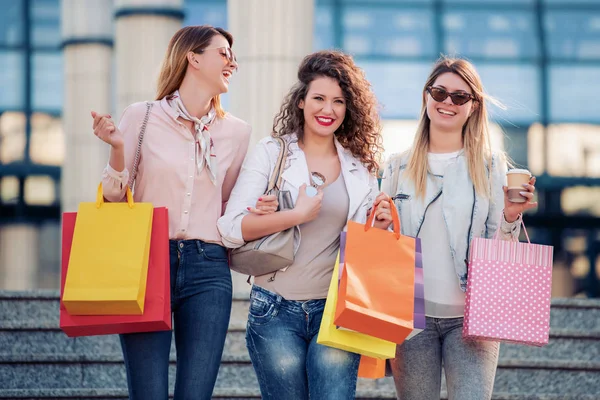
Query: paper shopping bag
(157,309)
(376,293)
(108,265)
(371,368)
(508,291)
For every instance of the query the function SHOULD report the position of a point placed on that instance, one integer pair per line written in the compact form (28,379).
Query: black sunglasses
(458,98)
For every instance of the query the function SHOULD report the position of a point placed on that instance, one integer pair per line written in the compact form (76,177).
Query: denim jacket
(467,215)
(361,185)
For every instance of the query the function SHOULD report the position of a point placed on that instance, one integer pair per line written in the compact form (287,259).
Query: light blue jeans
(470,365)
(290,365)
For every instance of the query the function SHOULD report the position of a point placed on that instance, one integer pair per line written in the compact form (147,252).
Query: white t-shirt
(443,297)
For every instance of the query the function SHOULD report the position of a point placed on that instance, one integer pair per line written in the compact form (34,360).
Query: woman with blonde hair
(189,160)
(448,189)
(330,124)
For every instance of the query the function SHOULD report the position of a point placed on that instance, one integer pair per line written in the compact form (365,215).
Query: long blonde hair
(476,132)
(190,38)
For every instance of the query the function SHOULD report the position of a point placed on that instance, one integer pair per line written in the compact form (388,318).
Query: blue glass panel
(497,34)
(47,81)
(573,34)
(12,79)
(395,2)
(573,93)
(571,2)
(45,18)
(517,87)
(11,23)
(490,3)
(323,35)
(199,12)
(398,86)
(387,31)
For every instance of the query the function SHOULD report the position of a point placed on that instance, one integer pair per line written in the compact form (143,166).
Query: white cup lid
(518,171)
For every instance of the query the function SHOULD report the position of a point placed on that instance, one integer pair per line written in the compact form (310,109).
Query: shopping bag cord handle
(500,224)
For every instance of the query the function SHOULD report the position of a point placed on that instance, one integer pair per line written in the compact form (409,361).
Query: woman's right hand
(307,208)
(105,129)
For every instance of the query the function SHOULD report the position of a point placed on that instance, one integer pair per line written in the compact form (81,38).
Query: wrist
(296,217)
(511,217)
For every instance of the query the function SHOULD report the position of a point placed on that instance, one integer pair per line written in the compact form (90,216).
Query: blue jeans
(282,340)
(201,305)
(470,365)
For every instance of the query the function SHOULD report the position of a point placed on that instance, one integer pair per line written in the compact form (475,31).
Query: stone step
(56,342)
(118,394)
(29,309)
(76,371)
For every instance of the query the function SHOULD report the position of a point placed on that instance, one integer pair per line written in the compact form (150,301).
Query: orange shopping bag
(371,368)
(376,293)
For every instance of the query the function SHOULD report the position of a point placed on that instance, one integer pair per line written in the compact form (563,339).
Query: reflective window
(573,93)
(492,3)
(198,12)
(12,137)
(11,23)
(387,31)
(47,81)
(47,143)
(573,34)
(39,190)
(9,190)
(45,18)
(12,79)
(498,34)
(324,36)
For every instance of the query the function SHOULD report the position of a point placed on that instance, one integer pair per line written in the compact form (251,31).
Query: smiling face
(214,65)
(446,115)
(324,107)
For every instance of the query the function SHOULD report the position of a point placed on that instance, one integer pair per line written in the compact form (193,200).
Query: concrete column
(270,39)
(87,45)
(19,261)
(143,30)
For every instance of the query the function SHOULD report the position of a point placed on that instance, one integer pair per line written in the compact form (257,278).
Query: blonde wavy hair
(475,133)
(190,38)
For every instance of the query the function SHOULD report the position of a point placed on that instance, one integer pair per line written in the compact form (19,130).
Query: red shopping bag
(377,287)
(157,308)
(508,291)
(371,368)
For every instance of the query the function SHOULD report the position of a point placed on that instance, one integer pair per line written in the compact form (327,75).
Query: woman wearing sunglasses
(448,189)
(190,158)
(330,123)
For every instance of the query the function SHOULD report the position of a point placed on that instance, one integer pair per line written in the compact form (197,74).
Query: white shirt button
(188,194)
(185,212)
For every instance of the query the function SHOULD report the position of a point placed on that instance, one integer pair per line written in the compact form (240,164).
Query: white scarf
(204,144)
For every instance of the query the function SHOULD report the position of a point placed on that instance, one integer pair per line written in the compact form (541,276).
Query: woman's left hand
(383,212)
(512,210)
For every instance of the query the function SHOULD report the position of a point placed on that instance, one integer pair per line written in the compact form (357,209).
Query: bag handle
(100,197)
(275,181)
(395,219)
(500,224)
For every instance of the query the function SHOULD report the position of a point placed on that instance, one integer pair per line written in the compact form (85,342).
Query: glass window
(517,87)
(12,137)
(47,81)
(395,2)
(198,12)
(579,155)
(324,36)
(573,92)
(12,79)
(387,31)
(45,28)
(573,34)
(497,34)
(39,190)
(492,2)
(9,190)
(47,143)
(11,23)
(398,87)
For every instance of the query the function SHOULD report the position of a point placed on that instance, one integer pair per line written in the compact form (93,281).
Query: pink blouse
(167,175)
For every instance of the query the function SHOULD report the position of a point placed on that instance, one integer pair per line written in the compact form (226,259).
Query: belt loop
(199,246)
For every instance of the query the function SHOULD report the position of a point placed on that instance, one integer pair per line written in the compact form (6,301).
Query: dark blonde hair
(190,38)
(476,132)
(360,131)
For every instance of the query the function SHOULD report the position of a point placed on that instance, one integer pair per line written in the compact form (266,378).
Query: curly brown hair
(360,132)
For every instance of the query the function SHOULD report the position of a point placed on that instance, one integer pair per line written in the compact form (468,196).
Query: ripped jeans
(281,337)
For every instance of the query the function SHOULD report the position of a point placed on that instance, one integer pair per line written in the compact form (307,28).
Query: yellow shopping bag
(108,265)
(351,341)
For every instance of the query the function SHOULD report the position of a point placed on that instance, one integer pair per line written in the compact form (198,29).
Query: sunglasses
(226,52)
(458,98)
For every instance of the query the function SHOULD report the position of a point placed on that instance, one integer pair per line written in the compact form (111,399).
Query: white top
(443,297)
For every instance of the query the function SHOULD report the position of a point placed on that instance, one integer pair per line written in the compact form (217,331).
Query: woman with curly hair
(330,123)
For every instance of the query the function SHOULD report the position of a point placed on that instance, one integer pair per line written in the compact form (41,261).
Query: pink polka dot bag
(508,291)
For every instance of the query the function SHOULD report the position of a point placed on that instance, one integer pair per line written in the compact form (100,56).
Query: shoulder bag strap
(138,150)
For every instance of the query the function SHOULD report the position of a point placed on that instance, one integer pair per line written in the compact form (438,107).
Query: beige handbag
(276,251)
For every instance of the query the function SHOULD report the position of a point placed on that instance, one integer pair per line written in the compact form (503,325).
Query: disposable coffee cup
(516,178)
